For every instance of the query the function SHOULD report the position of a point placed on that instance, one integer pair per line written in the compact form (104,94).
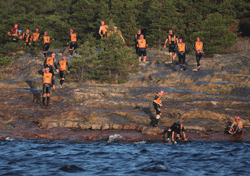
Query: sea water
(50,157)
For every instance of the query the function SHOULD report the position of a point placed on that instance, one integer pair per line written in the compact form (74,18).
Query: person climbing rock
(63,64)
(176,128)
(236,127)
(157,106)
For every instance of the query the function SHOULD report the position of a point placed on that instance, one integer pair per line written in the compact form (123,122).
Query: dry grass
(241,45)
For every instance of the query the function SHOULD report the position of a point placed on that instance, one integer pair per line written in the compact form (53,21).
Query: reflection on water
(46,157)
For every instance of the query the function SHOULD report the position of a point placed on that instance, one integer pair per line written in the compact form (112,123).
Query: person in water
(174,132)
(237,126)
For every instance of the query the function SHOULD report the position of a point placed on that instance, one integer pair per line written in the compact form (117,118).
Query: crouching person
(237,126)
(174,133)
(47,84)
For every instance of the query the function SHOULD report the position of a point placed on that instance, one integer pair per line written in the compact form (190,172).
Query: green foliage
(187,18)
(5,61)
(111,62)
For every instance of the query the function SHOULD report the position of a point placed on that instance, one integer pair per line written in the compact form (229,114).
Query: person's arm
(172,136)
(204,48)
(193,46)
(55,64)
(165,44)
(122,38)
(41,71)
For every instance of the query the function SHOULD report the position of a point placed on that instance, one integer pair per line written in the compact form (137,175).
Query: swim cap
(37,29)
(198,39)
(170,31)
(45,33)
(237,118)
(115,27)
(47,68)
(27,31)
(16,25)
(53,54)
(63,57)
(71,30)
(102,22)
(180,40)
(162,92)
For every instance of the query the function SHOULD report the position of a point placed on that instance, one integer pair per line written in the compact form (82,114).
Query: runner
(142,45)
(137,36)
(199,48)
(177,128)
(14,33)
(63,64)
(46,41)
(172,40)
(51,63)
(181,48)
(103,29)
(236,127)
(157,105)
(73,39)
(47,80)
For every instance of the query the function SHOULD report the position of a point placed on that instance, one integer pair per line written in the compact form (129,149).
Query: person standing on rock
(236,127)
(46,43)
(63,64)
(199,48)
(14,33)
(103,29)
(73,39)
(172,40)
(157,105)
(137,36)
(177,128)
(181,48)
(51,63)
(142,49)
(47,82)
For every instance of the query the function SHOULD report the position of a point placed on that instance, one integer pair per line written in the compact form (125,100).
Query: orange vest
(36,36)
(104,29)
(171,39)
(27,37)
(16,33)
(50,61)
(63,65)
(181,47)
(47,77)
(158,100)
(73,37)
(142,43)
(237,123)
(46,39)
(198,46)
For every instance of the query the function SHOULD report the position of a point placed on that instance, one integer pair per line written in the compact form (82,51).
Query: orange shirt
(47,78)
(46,39)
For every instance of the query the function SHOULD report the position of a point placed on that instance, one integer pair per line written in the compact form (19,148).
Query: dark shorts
(73,45)
(14,38)
(172,47)
(46,88)
(157,108)
(142,52)
(45,46)
(62,74)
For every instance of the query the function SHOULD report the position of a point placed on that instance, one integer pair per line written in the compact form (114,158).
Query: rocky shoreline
(205,101)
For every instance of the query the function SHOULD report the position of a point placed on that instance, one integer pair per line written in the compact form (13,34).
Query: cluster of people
(36,38)
(49,77)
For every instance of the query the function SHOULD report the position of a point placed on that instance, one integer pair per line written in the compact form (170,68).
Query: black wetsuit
(198,55)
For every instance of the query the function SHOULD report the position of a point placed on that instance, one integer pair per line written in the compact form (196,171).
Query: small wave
(71,169)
